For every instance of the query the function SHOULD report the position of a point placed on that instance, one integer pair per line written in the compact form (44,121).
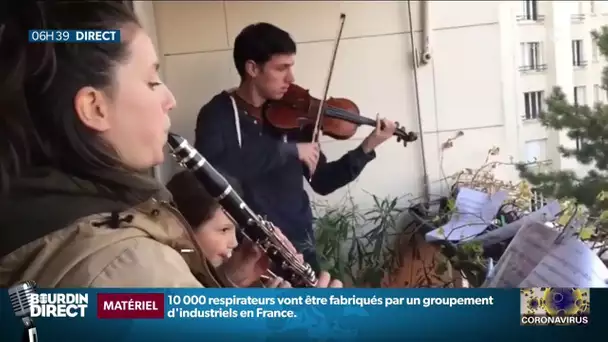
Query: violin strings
(340,113)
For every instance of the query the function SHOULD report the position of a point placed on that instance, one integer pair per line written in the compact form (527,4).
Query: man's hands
(308,153)
(326,281)
(383,131)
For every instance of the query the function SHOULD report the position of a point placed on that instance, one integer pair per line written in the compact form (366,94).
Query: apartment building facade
(556,49)
(490,66)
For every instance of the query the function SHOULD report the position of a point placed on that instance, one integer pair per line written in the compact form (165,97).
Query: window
(531,56)
(595,51)
(533,102)
(530,10)
(598,94)
(536,150)
(580,96)
(577,53)
(580,141)
(579,16)
(580,99)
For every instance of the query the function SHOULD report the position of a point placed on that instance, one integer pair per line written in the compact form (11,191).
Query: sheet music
(547,213)
(571,264)
(530,245)
(474,212)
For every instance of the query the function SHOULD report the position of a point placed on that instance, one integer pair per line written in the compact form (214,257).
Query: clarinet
(253,226)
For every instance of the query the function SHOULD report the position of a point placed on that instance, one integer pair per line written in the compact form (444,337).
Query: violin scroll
(403,135)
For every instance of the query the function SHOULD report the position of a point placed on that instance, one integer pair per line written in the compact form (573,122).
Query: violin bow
(315,134)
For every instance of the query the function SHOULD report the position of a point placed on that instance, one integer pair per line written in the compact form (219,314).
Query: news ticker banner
(309,314)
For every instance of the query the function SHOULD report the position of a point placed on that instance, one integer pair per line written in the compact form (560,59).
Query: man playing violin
(270,164)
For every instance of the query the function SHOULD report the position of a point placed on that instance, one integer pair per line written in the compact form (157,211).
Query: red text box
(130,305)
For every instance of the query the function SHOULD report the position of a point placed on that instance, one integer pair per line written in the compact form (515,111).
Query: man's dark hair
(258,43)
(192,199)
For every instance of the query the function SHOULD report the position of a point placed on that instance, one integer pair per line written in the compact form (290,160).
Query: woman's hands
(324,282)
(248,263)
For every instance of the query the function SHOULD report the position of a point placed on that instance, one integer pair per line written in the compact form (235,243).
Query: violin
(339,118)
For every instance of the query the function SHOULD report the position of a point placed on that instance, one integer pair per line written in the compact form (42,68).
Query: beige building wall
(465,87)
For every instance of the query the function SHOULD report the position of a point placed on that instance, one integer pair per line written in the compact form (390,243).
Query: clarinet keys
(252,225)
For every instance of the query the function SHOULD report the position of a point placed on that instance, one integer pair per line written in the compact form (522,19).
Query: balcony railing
(533,68)
(530,18)
(537,201)
(578,18)
(531,116)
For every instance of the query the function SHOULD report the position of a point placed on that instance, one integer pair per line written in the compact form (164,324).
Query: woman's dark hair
(38,83)
(192,199)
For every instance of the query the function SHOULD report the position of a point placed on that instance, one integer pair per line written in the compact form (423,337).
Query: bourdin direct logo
(59,304)
(554,306)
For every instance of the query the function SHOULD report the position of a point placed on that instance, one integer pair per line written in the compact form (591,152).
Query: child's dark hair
(38,83)
(192,199)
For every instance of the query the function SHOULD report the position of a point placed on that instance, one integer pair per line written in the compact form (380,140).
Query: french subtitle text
(204,306)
